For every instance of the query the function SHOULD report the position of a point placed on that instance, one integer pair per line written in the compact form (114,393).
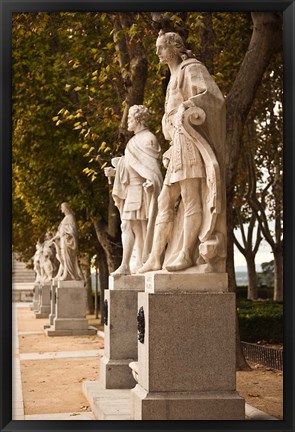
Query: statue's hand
(167,157)
(148,185)
(166,162)
(109,172)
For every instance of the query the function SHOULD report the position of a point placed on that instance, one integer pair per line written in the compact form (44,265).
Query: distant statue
(66,243)
(37,261)
(137,184)
(49,262)
(191,215)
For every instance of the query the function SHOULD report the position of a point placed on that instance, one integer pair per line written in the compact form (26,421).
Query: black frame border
(6,9)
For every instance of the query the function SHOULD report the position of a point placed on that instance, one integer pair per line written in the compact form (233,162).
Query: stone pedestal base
(36,297)
(116,374)
(120,331)
(186,405)
(44,305)
(52,306)
(70,311)
(186,351)
(107,404)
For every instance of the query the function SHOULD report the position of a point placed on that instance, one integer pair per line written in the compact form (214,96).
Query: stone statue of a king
(137,184)
(190,227)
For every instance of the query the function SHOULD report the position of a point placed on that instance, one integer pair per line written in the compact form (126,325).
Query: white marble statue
(66,243)
(137,184)
(49,262)
(44,260)
(191,214)
(37,261)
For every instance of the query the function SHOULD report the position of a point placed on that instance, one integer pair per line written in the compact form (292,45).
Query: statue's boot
(152,264)
(122,270)
(162,232)
(191,230)
(183,261)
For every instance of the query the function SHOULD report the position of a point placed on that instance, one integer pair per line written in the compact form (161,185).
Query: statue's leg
(128,239)
(191,196)
(164,223)
(139,229)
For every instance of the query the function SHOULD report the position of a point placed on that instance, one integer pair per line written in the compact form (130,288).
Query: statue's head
(66,209)
(170,45)
(138,114)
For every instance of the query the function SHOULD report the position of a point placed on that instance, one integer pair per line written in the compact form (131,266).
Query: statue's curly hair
(140,113)
(176,42)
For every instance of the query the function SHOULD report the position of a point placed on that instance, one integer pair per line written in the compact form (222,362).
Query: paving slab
(17,394)
(256,414)
(62,416)
(61,354)
(111,404)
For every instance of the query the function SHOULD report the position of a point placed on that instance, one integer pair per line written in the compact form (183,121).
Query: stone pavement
(116,402)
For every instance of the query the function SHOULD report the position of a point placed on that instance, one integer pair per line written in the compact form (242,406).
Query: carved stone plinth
(52,305)
(186,355)
(188,281)
(70,311)
(120,331)
(44,302)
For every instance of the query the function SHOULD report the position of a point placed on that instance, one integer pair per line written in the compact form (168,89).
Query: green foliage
(260,320)
(69,93)
(263,291)
(267,275)
(56,60)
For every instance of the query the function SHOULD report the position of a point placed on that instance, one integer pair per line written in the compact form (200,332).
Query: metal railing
(269,357)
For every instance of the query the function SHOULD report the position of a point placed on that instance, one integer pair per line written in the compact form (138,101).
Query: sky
(264,254)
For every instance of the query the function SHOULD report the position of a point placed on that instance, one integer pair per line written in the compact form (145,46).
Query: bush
(264,292)
(260,320)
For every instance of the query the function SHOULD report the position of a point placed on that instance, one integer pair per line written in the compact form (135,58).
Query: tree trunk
(113,218)
(111,248)
(85,264)
(278,276)
(103,278)
(241,363)
(133,65)
(207,42)
(266,38)
(252,277)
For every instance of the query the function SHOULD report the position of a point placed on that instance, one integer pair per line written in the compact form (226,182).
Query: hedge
(263,292)
(260,321)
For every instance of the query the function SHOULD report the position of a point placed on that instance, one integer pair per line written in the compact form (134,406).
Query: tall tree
(266,164)
(72,90)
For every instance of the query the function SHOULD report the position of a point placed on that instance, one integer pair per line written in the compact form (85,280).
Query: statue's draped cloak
(204,126)
(142,155)
(69,248)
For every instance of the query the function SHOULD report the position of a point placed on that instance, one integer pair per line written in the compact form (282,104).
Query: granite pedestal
(36,297)
(70,311)
(120,331)
(186,353)
(52,305)
(44,301)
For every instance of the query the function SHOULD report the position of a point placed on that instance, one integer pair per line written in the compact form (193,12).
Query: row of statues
(57,257)
(179,222)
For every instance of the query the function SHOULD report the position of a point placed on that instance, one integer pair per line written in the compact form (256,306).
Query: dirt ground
(262,388)
(55,385)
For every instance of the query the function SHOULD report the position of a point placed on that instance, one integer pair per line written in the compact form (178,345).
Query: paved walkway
(17,393)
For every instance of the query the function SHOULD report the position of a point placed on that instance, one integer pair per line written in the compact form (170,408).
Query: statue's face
(165,52)
(131,122)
